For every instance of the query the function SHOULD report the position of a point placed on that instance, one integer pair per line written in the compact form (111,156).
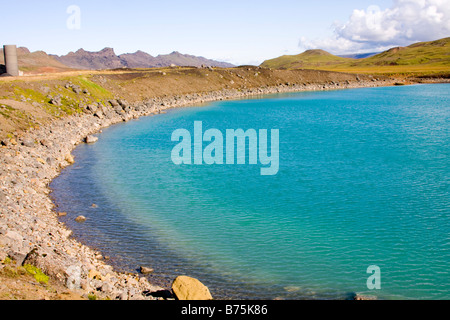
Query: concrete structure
(11,63)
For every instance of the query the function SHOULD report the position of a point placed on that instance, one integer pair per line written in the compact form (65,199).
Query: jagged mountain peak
(107,59)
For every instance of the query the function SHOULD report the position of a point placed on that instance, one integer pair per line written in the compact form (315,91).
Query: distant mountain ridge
(41,62)
(107,59)
(81,59)
(37,62)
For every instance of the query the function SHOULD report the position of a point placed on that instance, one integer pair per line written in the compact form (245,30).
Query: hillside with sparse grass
(431,57)
(310,59)
(34,100)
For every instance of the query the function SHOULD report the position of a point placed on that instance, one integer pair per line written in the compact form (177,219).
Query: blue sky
(240,32)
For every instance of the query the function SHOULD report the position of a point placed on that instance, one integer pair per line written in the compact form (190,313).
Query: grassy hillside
(420,58)
(311,59)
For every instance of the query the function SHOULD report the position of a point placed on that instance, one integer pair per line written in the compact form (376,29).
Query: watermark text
(239,145)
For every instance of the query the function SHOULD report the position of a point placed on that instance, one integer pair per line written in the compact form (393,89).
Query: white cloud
(373,29)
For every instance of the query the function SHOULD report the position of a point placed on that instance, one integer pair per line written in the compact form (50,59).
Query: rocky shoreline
(30,232)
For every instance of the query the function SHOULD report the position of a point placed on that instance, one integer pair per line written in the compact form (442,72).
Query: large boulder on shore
(187,288)
(50,263)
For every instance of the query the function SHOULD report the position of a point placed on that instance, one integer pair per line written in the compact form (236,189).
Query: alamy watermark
(190,149)
(374,281)
(73,22)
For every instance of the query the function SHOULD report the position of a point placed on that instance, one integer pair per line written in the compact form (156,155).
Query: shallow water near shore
(364,180)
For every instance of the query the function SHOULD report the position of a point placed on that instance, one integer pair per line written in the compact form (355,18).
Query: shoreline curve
(30,231)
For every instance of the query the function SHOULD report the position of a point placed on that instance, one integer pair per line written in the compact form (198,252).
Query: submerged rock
(146,270)
(359,297)
(80,219)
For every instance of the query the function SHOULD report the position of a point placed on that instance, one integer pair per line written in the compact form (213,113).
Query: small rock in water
(80,219)
(359,297)
(145,270)
(292,289)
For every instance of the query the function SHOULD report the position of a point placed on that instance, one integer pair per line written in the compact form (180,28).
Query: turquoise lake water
(364,179)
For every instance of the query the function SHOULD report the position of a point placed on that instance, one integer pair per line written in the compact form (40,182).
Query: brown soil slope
(26,101)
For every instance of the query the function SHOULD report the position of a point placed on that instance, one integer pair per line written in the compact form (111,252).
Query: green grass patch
(70,100)
(7,260)
(36,273)
(33,95)
(96,91)
(6,111)
(69,106)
